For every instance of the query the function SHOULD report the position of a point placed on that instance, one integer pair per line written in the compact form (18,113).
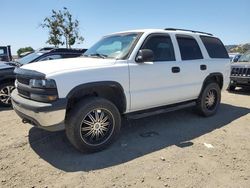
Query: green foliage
(62,28)
(25,49)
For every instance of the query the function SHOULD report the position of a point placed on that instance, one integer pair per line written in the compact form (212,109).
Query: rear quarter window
(215,47)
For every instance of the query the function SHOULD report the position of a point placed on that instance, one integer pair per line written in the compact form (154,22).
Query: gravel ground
(177,149)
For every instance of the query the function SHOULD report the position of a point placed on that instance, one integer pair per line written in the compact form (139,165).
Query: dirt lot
(166,150)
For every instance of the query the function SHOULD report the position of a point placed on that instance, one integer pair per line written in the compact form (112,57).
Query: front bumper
(48,116)
(240,81)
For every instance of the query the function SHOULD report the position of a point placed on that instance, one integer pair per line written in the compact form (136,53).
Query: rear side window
(161,46)
(215,47)
(189,48)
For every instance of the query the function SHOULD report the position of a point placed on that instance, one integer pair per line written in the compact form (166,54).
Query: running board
(155,111)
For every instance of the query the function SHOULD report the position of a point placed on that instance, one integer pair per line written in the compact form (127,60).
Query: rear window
(215,47)
(189,48)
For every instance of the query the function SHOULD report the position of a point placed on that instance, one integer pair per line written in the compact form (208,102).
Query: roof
(167,30)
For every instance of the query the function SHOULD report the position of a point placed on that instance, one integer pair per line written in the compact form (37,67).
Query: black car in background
(7,76)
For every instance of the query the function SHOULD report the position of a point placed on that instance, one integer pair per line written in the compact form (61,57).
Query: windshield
(29,58)
(115,46)
(245,57)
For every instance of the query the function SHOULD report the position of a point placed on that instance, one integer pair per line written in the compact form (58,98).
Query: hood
(5,65)
(241,65)
(70,64)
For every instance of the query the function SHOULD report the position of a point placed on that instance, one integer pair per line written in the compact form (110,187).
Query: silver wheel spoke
(101,132)
(104,128)
(91,118)
(3,95)
(105,124)
(101,116)
(87,122)
(96,116)
(89,133)
(86,128)
(105,119)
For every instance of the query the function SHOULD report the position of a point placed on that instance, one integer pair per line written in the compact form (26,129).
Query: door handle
(203,67)
(176,69)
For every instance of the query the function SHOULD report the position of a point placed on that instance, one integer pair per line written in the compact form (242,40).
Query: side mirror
(145,55)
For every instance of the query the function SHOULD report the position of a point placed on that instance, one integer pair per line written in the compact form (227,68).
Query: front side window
(116,46)
(215,47)
(161,46)
(189,48)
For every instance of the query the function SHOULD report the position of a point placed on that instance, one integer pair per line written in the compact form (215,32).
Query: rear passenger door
(193,67)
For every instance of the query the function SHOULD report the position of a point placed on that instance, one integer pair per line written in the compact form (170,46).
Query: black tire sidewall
(73,123)
(231,88)
(201,102)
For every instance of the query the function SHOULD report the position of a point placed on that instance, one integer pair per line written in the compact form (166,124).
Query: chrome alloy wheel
(5,94)
(97,126)
(211,99)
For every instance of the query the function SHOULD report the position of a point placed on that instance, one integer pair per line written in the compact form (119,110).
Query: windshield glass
(245,57)
(30,57)
(115,46)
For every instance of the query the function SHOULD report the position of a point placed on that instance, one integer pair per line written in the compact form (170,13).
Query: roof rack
(175,29)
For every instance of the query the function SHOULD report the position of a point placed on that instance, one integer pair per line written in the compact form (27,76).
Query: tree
(61,25)
(23,50)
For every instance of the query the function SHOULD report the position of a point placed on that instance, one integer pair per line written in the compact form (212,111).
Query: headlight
(45,83)
(43,90)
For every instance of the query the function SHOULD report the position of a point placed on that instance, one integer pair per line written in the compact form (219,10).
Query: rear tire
(5,94)
(93,124)
(209,100)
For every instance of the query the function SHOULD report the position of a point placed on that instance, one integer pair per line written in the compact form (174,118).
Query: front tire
(93,124)
(209,100)
(5,94)
(231,88)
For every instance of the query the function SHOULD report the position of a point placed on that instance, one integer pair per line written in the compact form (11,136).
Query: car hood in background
(241,65)
(5,65)
(70,64)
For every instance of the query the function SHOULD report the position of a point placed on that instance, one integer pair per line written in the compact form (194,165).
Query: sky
(227,19)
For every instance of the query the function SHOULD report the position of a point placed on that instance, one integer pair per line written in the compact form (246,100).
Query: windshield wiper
(97,55)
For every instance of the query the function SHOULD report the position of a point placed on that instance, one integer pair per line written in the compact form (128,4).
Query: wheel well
(7,80)
(110,91)
(214,77)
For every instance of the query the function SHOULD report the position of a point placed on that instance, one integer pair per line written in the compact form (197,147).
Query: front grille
(22,80)
(23,93)
(240,72)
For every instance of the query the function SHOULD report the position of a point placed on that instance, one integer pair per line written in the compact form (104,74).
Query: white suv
(132,74)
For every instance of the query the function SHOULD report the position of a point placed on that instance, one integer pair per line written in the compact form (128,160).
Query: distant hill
(241,48)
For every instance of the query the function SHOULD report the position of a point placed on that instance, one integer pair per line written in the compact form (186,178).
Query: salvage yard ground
(177,149)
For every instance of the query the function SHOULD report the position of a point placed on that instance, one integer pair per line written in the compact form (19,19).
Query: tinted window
(51,57)
(189,48)
(29,58)
(161,46)
(214,47)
